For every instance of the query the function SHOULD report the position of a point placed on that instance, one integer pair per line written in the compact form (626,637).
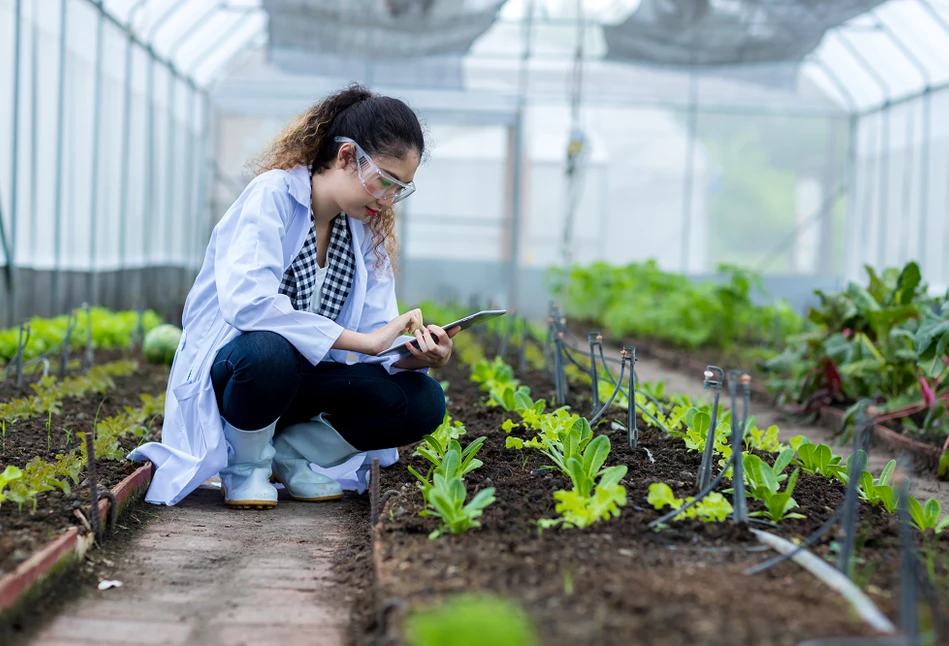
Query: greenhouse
(474,322)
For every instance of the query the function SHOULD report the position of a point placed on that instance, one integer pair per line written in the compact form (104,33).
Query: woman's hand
(383,338)
(435,346)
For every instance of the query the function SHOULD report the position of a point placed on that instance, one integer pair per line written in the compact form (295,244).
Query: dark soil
(617,582)
(23,531)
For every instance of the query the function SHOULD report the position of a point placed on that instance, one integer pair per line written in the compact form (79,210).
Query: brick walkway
(203,574)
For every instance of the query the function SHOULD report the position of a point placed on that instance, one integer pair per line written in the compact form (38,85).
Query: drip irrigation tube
(835,579)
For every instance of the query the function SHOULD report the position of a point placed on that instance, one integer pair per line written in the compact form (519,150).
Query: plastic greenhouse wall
(99,191)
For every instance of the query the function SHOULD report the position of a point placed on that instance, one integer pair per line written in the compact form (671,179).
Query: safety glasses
(380,184)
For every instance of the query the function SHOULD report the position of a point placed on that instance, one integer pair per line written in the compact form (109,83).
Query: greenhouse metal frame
(165,74)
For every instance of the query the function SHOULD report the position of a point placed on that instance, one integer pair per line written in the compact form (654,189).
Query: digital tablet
(464,324)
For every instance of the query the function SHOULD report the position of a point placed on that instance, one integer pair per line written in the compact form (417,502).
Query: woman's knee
(427,402)
(259,360)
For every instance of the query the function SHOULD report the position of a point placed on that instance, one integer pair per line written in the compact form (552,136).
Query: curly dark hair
(382,126)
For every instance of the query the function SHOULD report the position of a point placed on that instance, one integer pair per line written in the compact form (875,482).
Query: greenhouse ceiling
(848,56)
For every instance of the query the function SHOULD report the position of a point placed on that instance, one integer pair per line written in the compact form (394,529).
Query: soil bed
(618,582)
(23,531)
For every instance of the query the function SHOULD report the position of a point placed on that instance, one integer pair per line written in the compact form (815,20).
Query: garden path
(200,574)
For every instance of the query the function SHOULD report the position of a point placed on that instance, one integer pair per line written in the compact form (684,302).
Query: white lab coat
(237,291)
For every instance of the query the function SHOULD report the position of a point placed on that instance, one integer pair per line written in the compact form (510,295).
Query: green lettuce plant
(763,481)
(713,508)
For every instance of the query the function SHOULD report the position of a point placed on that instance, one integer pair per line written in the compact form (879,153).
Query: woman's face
(359,200)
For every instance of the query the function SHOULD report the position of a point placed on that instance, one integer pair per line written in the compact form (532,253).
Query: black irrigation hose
(931,597)
(610,401)
(567,348)
(616,383)
(641,392)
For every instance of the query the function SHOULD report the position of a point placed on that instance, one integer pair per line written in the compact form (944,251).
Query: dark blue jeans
(260,376)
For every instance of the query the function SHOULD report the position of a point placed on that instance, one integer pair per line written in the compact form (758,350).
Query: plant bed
(616,582)
(24,530)
(926,454)
(32,578)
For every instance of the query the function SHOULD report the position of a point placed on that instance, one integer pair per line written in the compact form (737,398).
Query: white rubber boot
(245,480)
(318,442)
(293,471)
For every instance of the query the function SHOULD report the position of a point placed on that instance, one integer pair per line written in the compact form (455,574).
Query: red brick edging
(17,587)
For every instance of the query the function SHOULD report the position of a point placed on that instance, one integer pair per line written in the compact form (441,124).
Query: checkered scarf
(299,279)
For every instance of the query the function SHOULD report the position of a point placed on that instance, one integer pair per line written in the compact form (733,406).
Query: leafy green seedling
(9,474)
(713,508)
(819,459)
(580,511)
(450,460)
(879,492)
(446,499)
(763,484)
(927,516)
(471,620)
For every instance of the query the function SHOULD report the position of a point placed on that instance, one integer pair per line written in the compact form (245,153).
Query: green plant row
(443,487)
(566,440)
(690,422)
(764,481)
(110,329)
(24,486)
(51,392)
(885,341)
(642,301)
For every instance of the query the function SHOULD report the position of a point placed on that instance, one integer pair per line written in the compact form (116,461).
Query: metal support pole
(739,499)
(91,282)
(884,144)
(692,131)
(15,163)
(202,221)
(125,211)
(851,217)
(56,292)
(714,376)
(594,339)
(190,206)
(517,165)
(924,167)
(148,205)
(851,165)
(34,136)
(629,355)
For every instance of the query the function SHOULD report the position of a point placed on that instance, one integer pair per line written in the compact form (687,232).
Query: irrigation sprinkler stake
(374,494)
(560,379)
(548,342)
(138,337)
(629,355)
(22,339)
(90,356)
(714,376)
(848,523)
(93,486)
(908,575)
(739,499)
(595,338)
(64,355)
